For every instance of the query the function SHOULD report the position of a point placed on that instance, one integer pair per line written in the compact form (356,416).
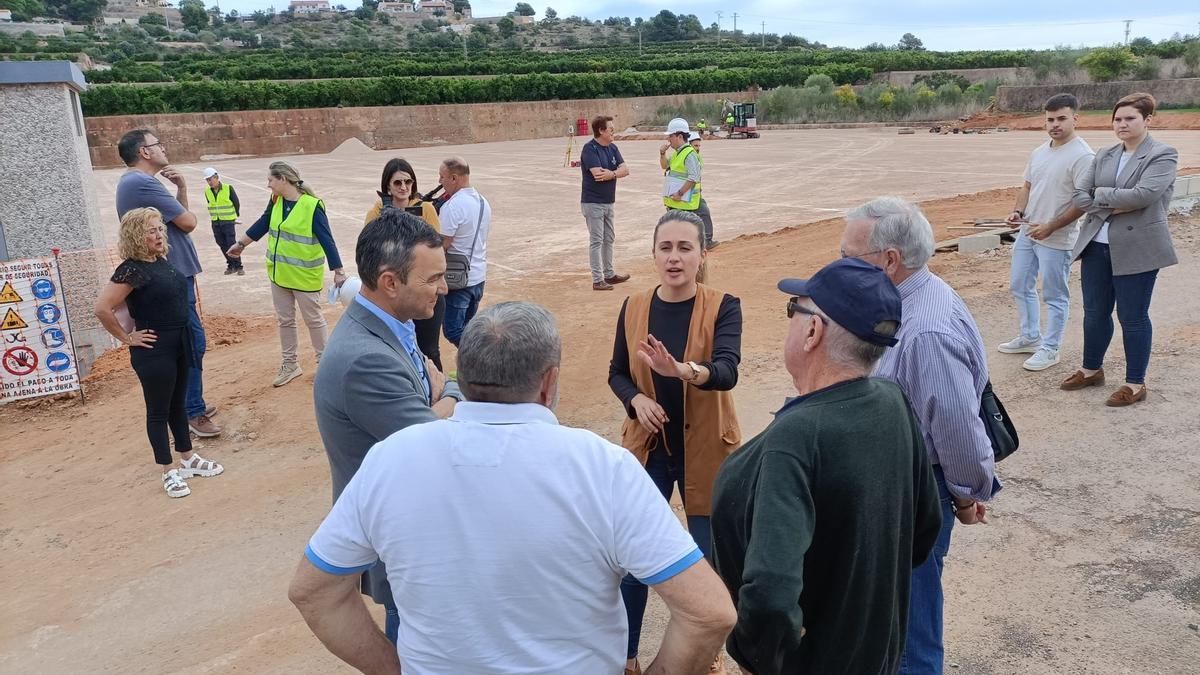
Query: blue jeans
(461,305)
(1028,258)
(391,623)
(1131,295)
(665,470)
(923,651)
(194,405)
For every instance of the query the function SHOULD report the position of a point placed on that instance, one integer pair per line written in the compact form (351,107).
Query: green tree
(550,16)
(1147,68)
(507,27)
(1106,64)
(1191,58)
(260,18)
(524,9)
(910,42)
(79,11)
(152,20)
(664,27)
(822,82)
(24,10)
(193,14)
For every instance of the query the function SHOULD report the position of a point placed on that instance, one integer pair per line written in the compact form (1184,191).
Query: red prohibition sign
(20,361)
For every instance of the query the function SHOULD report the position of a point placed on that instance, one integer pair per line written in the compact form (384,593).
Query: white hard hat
(694,136)
(209,172)
(678,126)
(346,292)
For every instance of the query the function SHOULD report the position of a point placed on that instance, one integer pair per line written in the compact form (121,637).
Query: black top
(159,299)
(670,323)
(594,156)
(817,524)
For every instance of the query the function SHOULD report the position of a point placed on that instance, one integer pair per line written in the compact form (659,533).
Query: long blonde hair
(131,240)
(285,171)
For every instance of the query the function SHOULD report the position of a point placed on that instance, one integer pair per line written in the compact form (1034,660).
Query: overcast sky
(941,24)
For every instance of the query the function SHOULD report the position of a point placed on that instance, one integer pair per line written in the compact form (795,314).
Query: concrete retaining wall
(192,136)
(1099,96)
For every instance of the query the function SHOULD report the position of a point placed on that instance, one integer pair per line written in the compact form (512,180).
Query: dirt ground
(1091,563)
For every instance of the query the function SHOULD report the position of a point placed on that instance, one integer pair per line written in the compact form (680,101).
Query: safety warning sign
(36,358)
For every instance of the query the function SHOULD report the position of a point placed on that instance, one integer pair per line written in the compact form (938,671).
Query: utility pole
(764,34)
(1127,22)
(735,15)
(464,39)
(719,14)
(639,41)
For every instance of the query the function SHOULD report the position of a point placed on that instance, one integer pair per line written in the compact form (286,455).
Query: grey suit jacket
(366,389)
(1139,240)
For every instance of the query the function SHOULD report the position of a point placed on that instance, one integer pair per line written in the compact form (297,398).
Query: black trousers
(163,372)
(223,232)
(429,333)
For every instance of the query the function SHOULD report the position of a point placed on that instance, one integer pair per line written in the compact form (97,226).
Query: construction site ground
(1091,563)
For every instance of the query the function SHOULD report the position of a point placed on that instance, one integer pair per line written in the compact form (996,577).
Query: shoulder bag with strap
(1000,429)
(458,266)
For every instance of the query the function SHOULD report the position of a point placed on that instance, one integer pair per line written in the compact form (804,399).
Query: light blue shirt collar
(404,331)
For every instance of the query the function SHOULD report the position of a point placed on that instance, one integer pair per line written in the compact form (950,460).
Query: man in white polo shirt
(506,535)
(1049,226)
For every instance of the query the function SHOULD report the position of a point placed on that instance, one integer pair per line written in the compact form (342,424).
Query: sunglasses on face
(401,182)
(794,307)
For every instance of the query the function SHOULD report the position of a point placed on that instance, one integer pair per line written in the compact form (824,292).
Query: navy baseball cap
(855,294)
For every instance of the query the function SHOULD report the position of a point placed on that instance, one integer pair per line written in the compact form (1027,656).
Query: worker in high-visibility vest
(702,127)
(223,208)
(703,212)
(681,184)
(299,245)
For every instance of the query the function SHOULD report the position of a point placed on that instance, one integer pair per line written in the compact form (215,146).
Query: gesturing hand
(654,353)
(974,514)
(649,413)
(142,338)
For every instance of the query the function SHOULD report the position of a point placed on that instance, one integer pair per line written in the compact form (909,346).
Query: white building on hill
(310,6)
(397,8)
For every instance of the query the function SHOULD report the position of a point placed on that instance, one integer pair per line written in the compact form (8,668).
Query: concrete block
(1182,185)
(977,243)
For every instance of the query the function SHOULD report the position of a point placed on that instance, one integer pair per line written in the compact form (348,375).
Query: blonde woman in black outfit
(675,360)
(160,346)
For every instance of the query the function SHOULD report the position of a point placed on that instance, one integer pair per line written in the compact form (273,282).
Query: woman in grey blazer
(1122,244)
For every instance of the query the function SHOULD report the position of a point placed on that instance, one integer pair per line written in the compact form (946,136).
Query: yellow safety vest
(676,177)
(295,259)
(220,206)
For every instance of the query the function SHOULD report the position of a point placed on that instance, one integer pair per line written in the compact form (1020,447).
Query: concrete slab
(977,243)
(782,179)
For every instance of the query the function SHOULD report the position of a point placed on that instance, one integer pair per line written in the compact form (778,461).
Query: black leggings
(429,333)
(163,371)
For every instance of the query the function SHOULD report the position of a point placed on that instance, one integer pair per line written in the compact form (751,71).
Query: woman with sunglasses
(398,190)
(674,364)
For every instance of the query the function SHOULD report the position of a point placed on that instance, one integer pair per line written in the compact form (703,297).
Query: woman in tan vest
(675,360)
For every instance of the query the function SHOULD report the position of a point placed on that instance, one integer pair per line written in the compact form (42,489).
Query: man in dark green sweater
(818,521)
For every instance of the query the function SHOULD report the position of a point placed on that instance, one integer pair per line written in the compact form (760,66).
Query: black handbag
(999,426)
(458,266)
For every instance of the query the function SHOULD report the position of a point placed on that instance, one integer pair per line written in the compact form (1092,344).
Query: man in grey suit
(373,380)
(1122,244)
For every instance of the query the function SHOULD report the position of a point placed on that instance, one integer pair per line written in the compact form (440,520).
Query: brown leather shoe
(1078,380)
(617,279)
(601,286)
(1125,396)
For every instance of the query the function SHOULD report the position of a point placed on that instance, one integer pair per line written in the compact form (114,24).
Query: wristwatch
(695,371)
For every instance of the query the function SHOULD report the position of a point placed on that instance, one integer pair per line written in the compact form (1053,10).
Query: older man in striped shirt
(940,364)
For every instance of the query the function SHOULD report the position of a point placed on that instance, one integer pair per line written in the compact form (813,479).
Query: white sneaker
(1041,359)
(287,373)
(1019,345)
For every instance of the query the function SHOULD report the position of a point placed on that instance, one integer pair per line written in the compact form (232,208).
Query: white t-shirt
(1102,234)
(459,216)
(1053,174)
(505,537)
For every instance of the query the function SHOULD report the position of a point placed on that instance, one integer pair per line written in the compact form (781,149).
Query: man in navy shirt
(601,164)
(146,156)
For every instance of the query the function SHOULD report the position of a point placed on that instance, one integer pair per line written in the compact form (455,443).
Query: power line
(899,26)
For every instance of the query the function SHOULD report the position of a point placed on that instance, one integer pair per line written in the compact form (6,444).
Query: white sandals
(174,484)
(198,466)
